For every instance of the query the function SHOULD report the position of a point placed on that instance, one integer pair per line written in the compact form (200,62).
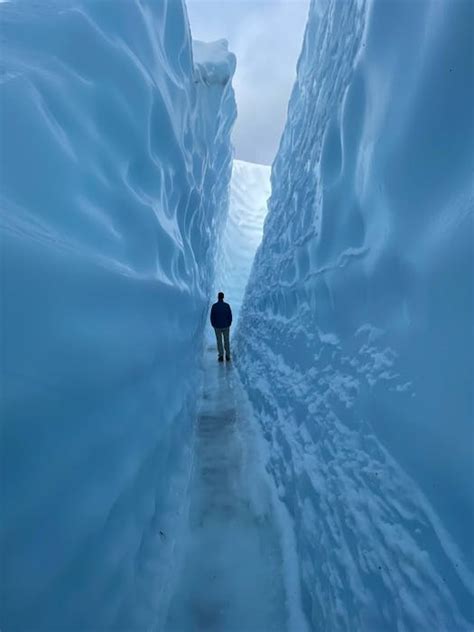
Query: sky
(266,36)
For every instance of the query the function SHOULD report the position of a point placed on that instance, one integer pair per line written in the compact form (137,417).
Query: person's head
(220,296)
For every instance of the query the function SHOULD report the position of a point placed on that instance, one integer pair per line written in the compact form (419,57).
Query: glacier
(116,160)
(325,480)
(355,339)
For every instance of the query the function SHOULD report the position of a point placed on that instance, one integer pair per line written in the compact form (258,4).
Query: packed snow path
(231,577)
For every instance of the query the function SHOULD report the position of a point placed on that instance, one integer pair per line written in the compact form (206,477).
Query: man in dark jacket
(221,320)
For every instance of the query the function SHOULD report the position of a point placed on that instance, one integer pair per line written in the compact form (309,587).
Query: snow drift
(116,163)
(355,338)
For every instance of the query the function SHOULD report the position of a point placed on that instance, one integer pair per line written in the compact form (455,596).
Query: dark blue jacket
(221,315)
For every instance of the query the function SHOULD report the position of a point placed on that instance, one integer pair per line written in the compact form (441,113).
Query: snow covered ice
(325,480)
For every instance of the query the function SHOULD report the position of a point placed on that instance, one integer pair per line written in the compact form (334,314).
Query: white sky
(266,36)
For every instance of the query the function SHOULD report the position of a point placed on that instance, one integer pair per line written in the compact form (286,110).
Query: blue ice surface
(355,340)
(116,159)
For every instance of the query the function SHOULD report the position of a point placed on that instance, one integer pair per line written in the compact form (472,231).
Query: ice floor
(232,576)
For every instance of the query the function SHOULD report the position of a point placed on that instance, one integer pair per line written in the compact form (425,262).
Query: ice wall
(356,337)
(115,166)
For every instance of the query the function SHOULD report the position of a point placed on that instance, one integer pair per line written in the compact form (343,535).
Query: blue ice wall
(356,333)
(116,161)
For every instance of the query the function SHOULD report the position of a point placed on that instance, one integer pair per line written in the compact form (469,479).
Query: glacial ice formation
(114,182)
(355,340)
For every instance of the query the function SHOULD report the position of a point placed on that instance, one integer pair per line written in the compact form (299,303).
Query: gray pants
(222,333)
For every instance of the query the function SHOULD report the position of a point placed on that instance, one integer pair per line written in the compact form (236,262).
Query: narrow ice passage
(232,577)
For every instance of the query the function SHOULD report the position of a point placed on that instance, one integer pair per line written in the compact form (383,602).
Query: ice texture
(233,575)
(116,161)
(242,234)
(355,339)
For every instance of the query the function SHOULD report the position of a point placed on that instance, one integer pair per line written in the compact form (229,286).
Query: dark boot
(227,357)
(221,358)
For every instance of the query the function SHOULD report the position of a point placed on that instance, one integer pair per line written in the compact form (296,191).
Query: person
(221,320)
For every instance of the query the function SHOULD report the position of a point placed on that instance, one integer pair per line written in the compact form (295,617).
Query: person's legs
(226,333)
(220,349)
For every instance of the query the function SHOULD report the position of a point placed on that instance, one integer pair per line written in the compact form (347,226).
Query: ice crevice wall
(116,161)
(355,337)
